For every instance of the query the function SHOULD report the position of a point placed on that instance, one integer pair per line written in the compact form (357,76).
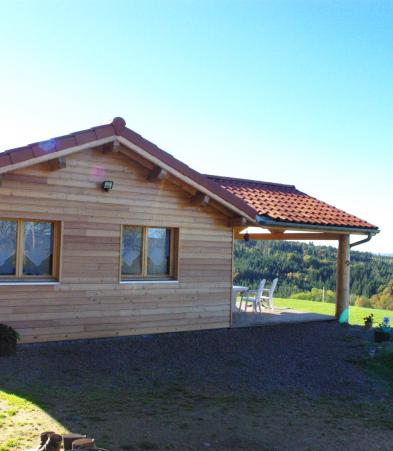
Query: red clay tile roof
(277,202)
(51,146)
(284,203)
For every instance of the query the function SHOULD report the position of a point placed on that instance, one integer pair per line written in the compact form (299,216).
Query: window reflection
(132,251)
(158,251)
(38,248)
(7,248)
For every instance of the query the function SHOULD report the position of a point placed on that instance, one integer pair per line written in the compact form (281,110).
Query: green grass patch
(9,444)
(381,367)
(356,314)
(21,421)
(15,403)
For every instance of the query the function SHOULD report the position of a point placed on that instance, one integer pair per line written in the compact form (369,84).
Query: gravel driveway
(314,357)
(286,387)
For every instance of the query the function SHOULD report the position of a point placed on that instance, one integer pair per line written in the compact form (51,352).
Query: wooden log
(111,147)
(57,163)
(342,275)
(200,199)
(157,174)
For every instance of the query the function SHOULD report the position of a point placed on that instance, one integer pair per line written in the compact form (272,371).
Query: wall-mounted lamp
(246,237)
(107,185)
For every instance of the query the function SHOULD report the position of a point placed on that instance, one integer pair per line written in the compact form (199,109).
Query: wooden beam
(276,230)
(342,276)
(200,199)
(288,236)
(217,206)
(187,179)
(157,174)
(111,147)
(57,163)
(237,222)
(177,182)
(136,158)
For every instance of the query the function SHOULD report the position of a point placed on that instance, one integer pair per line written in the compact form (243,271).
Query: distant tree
(384,299)
(301,267)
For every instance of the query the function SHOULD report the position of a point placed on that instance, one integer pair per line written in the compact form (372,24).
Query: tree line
(308,270)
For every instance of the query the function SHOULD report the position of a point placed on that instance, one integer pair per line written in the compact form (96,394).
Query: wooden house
(102,234)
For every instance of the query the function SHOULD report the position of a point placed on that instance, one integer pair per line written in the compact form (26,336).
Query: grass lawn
(179,419)
(21,422)
(356,314)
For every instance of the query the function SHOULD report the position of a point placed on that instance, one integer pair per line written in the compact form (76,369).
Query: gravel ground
(285,388)
(314,358)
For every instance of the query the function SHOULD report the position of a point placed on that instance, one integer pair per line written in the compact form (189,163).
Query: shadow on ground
(285,387)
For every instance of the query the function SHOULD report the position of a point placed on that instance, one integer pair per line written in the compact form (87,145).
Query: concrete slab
(275,316)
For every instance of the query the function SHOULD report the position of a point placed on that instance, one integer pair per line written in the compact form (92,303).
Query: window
(148,253)
(29,249)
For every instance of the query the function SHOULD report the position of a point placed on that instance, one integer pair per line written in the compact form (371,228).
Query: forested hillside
(301,267)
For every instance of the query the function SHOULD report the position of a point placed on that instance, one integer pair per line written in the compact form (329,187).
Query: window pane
(158,251)
(38,248)
(131,262)
(7,248)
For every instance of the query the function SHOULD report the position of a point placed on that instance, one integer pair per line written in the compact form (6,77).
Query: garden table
(236,289)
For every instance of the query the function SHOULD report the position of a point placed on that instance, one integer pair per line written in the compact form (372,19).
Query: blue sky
(295,92)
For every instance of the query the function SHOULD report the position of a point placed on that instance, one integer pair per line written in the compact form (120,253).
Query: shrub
(8,339)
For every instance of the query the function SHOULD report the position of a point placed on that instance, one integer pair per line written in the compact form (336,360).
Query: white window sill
(149,282)
(22,283)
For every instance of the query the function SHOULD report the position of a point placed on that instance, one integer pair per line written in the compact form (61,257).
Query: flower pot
(7,348)
(381,336)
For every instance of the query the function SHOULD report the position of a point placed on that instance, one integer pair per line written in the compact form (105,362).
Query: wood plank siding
(90,301)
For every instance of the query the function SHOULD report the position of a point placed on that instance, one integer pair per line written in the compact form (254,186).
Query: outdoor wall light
(107,185)
(246,237)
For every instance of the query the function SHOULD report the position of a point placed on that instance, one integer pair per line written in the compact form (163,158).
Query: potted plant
(8,340)
(369,321)
(383,331)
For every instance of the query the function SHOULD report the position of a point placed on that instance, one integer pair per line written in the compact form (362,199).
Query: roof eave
(224,198)
(56,154)
(269,222)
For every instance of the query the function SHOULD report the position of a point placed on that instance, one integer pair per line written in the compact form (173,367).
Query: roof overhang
(52,155)
(144,154)
(271,223)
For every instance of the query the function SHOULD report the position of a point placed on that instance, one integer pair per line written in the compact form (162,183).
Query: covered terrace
(283,212)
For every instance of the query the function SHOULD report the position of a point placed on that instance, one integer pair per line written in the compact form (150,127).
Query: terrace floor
(278,315)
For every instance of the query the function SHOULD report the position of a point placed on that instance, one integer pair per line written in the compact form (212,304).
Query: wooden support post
(57,163)
(157,174)
(342,275)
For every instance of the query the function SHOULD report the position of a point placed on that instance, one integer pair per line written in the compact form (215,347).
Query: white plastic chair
(254,297)
(269,297)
